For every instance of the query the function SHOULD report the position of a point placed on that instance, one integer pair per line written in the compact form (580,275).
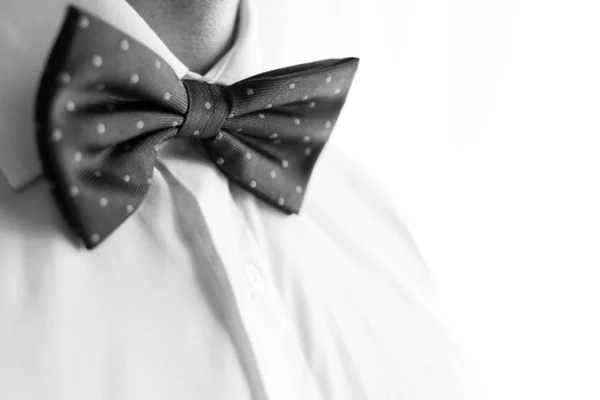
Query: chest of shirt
(205,278)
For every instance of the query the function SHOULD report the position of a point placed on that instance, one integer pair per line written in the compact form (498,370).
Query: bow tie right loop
(207,110)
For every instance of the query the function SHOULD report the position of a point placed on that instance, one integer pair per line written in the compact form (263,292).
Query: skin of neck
(198,32)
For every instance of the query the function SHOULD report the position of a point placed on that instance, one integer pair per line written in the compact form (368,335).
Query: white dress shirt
(205,292)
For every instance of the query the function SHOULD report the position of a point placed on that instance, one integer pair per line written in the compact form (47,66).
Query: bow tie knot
(207,110)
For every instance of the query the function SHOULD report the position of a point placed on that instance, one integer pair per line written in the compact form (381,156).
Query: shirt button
(255,278)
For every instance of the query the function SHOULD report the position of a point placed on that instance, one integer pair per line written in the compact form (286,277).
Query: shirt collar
(24,56)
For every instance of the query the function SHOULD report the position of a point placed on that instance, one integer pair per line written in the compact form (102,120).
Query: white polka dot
(311,104)
(268,106)
(149,181)
(96,61)
(220,161)
(337,91)
(56,135)
(253,184)
(219,136)
(297,121)
(292,85)
(298,189)
(70,105)
(84,22)
(124,45)
(328,79)
(327,124)
(73,191)
(261,115)
(139,124)
(65,78)
(77,156)
(156,147)
(126,178)
(273,174)
(285,163)
(248,155)
(281,201)
(98,174)
(129,208)
(307,152)
(273,136)
(167,96)
(207,105)
(101,129)
(249,92)
(231,115)
(174,124)
(135,78)
(238,130)
(305,98)
(94,238)
(306,138)
(196,133)
(101,87)
(103,201)
(157,64)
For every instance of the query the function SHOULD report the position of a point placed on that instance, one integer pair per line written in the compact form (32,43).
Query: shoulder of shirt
(339,166)
(340,175)
(347,204)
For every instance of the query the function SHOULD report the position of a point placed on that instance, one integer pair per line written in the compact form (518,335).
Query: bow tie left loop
(105,104)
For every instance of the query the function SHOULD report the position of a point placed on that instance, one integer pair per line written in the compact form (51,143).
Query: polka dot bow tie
(106,103)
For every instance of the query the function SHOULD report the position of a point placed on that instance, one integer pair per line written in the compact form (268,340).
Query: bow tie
(106,103)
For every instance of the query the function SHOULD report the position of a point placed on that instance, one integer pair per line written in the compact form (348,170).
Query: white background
(481,119)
